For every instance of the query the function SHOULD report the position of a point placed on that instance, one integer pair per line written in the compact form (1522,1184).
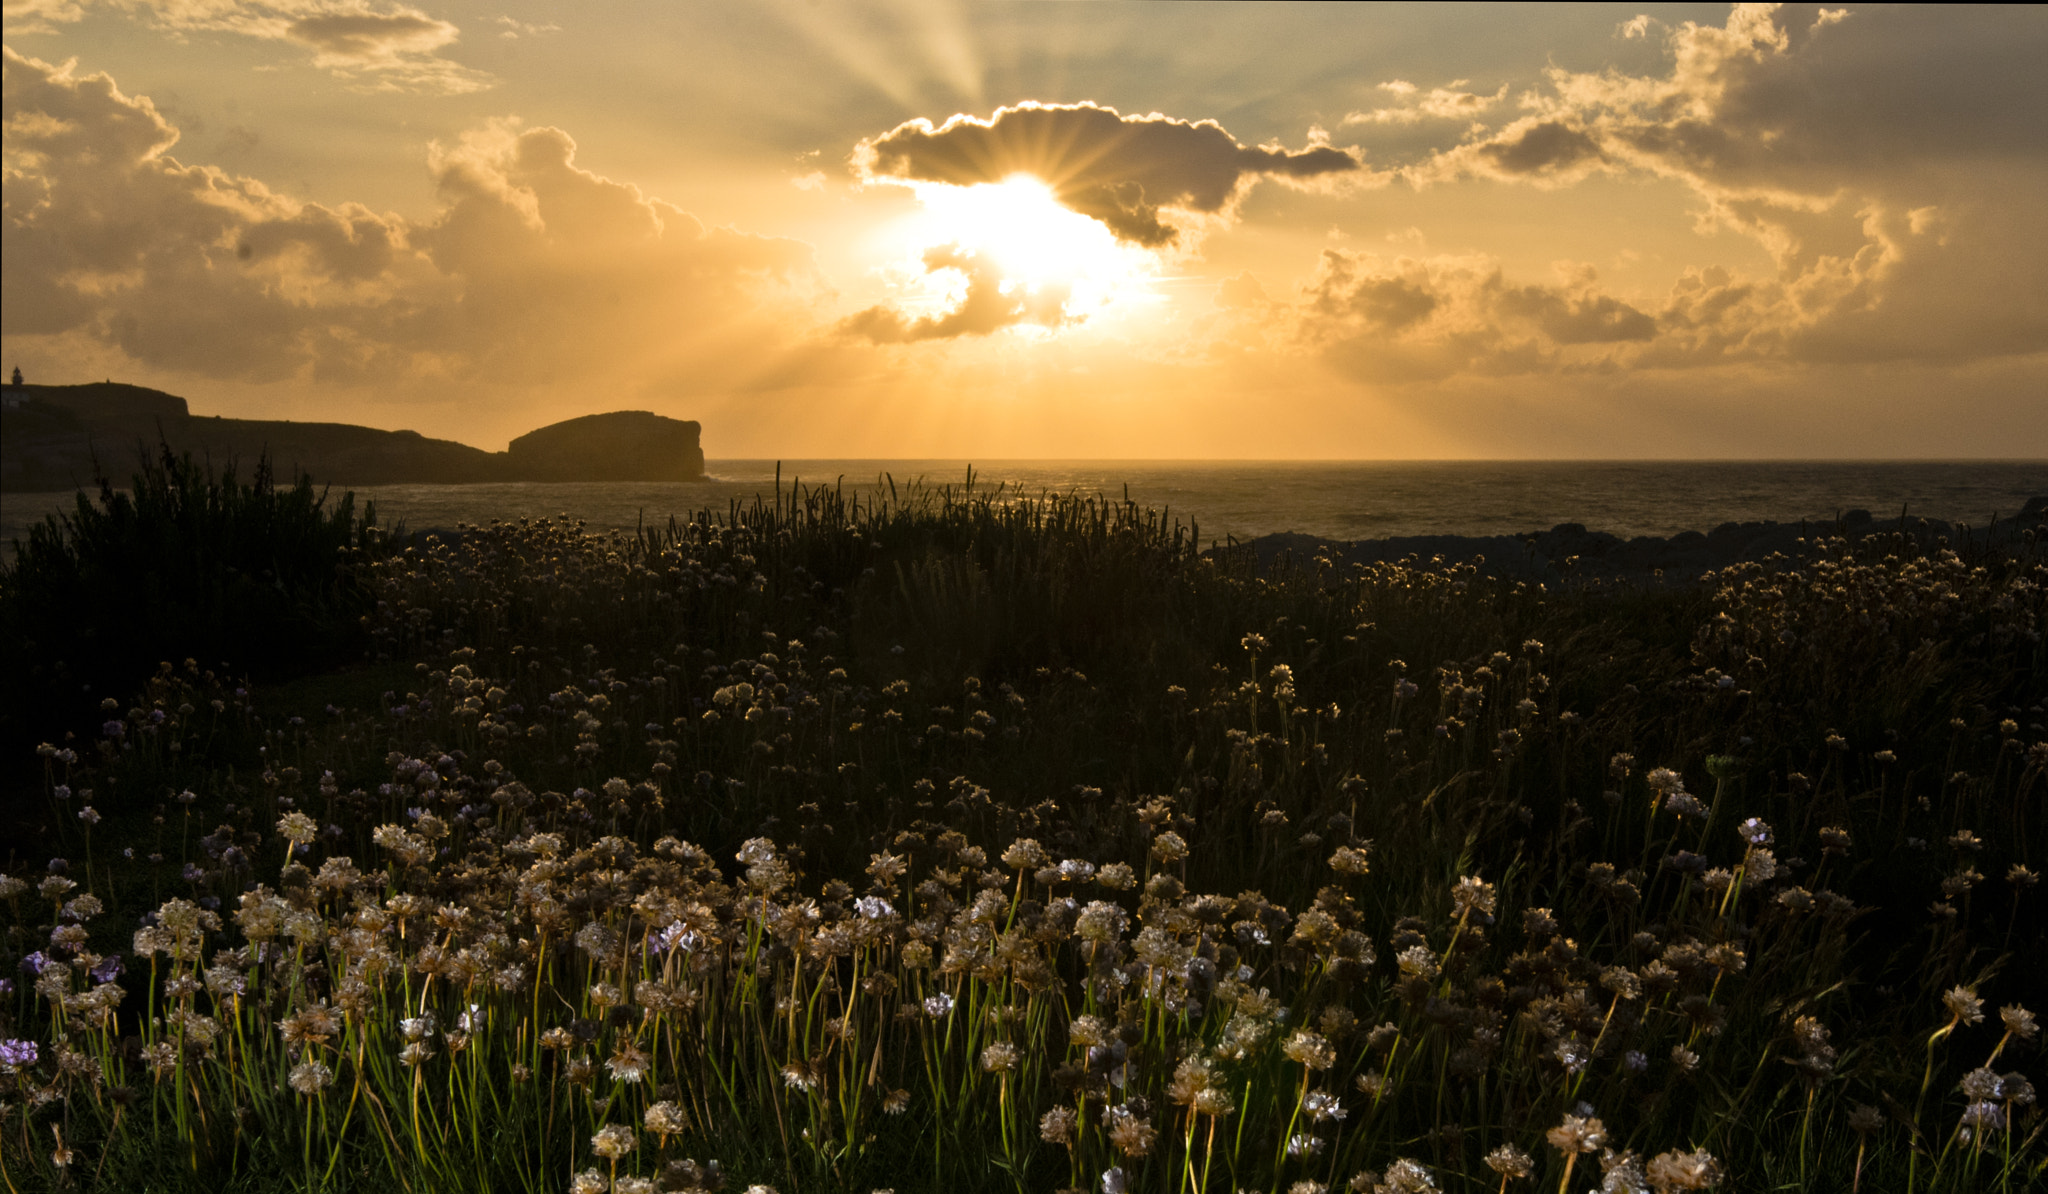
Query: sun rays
(1008,254)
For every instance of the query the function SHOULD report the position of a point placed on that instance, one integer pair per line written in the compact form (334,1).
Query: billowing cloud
(1125,171)
(534,270)
(1892,165)
(990,304)
(1414,319)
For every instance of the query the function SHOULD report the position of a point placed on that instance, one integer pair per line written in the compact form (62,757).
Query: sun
(1033,241)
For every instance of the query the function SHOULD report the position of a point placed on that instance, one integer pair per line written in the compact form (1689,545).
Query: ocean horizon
(1243,499)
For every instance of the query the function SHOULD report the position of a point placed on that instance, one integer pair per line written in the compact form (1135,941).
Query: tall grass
(185,563)
(963,841)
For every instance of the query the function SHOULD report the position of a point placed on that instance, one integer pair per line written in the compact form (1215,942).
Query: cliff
(51,436)
(625,445)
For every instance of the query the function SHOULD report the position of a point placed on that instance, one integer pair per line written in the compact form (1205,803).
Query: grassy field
(957,842)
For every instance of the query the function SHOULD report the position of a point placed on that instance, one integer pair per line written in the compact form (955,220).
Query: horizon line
(978,461)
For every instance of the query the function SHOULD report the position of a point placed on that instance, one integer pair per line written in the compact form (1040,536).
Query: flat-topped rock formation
(625,445)
(51,436)
(1571,552)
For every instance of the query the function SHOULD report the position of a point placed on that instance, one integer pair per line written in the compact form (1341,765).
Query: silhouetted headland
(50,437)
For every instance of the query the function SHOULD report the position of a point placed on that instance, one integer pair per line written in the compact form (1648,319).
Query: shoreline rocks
(1570,552)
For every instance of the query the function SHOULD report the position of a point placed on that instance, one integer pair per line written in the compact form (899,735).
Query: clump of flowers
(667,837)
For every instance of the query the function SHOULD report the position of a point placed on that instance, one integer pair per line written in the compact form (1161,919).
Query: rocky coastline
(60,438)
(1570,552)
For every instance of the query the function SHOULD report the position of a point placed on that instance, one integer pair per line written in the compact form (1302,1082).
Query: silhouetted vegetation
(187,563)
(958,842)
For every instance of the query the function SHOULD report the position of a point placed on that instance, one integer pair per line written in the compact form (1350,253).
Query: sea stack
(625,445)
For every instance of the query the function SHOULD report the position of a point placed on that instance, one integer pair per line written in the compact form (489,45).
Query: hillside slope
(55,438)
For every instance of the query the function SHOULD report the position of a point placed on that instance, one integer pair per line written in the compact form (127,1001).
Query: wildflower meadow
(947,839)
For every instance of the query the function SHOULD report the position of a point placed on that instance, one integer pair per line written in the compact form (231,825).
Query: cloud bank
(1891,163)
(42,16)
(379,47)
(534,270)
(1126,171)
(1411,320)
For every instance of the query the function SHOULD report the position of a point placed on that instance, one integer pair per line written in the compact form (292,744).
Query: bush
(189,564)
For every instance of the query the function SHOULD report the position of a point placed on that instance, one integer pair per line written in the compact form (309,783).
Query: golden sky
(923,228)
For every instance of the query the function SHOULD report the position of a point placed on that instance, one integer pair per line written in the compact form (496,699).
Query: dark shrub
(190,564)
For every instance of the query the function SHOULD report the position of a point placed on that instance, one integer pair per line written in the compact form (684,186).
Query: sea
(1224,500)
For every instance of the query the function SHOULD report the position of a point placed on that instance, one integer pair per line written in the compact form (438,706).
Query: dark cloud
(371,37)
(988,305)
(1544,147)
(1121,170)
(1773,100)
(1577,318)
(1346,290)
(1786,102)
(1892,161)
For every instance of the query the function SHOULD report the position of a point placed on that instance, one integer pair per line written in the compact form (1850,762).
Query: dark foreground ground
(956,845)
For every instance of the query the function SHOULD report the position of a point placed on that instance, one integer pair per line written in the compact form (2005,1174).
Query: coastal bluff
(57,438)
